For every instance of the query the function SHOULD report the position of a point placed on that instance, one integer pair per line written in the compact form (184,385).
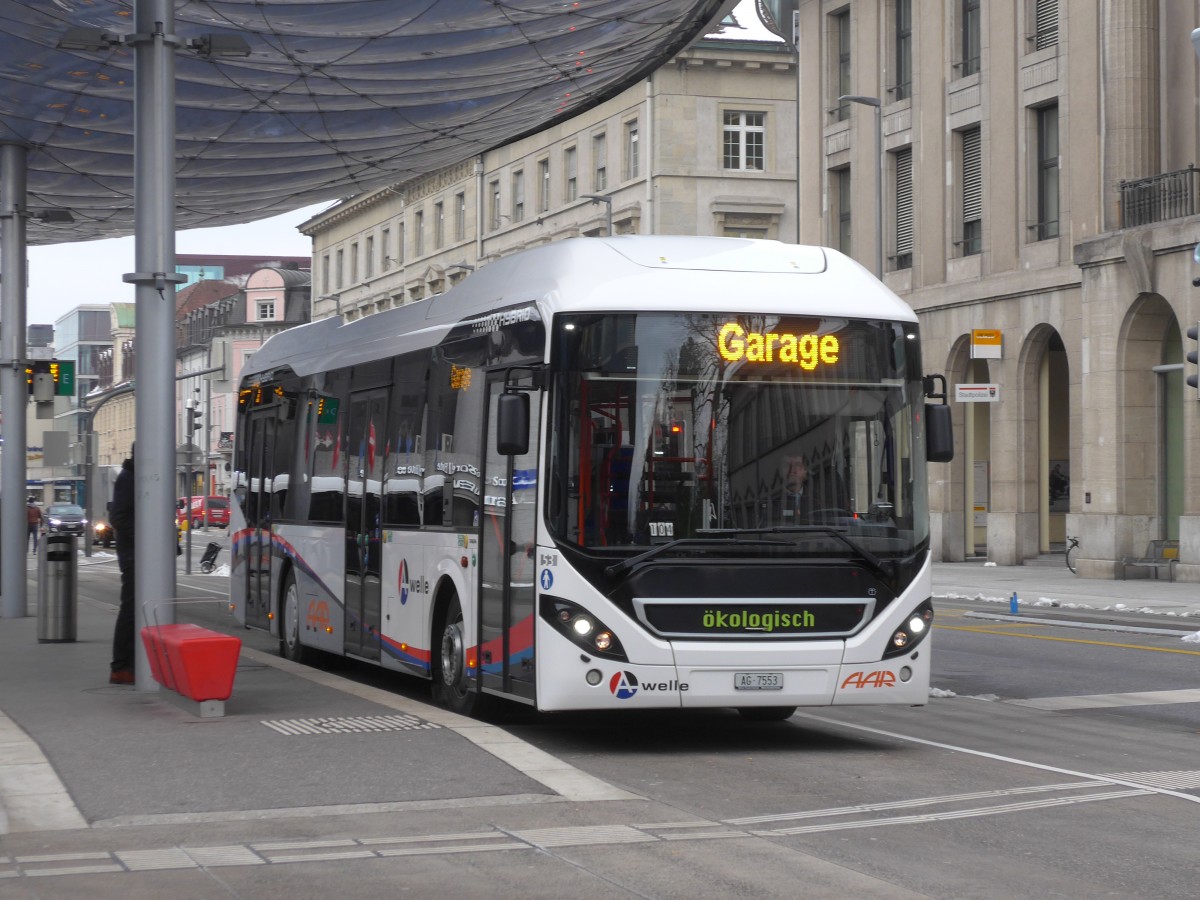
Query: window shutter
(1045,24)
(904,202)
(972,188)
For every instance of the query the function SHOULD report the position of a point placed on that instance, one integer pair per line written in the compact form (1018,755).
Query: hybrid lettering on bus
(697,464)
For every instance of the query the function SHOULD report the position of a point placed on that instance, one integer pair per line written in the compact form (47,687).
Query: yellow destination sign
(735,343)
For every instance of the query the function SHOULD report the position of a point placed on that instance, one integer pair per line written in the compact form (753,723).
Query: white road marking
(1029,764)
(1111,701)
(492,840)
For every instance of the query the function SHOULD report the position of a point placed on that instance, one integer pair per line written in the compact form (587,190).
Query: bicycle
(1072,554)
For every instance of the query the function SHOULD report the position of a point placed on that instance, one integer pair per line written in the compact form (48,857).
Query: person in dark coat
(33,515)
(121,516)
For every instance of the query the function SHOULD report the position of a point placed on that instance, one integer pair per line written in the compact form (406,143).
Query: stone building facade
(1039,191)
(1037,202)
(705,145)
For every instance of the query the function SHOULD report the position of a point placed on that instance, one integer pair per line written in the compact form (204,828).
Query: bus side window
(329,451)
(459,414)
(405,463)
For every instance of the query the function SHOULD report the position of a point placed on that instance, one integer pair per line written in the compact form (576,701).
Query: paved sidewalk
(84,764)
(1054,587)
(77,752)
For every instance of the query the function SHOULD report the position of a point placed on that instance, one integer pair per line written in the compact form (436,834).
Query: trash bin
(56,589)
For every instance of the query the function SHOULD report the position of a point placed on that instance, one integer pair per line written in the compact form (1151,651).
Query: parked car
(65,518)
(204,511)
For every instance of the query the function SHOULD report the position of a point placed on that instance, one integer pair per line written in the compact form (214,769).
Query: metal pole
(879,192)
(877,106)
(12,378)
(606,199)
(191,477)
(154,228)
(89,465)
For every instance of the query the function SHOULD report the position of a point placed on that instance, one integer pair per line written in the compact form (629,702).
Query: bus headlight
(581,628)
(912,632)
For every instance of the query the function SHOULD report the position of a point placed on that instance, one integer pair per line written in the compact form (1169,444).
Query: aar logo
(623,685)
(403,581)
(882,679)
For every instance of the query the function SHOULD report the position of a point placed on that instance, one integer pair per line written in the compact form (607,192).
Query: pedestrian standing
(121,517)
(33,514)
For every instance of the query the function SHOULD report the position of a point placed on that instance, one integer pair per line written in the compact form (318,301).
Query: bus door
(508,547)
(368,411)
(257,507)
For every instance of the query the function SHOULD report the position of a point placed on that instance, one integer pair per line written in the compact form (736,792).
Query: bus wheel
(766,713)
(451,686)
(289,622)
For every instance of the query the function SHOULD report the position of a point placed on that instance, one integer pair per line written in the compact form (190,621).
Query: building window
(385,247)
(839,183)
(571,174)
(971,160)
(400,248)
(903,25)
(460,216)
(419,237)
(1047,172)
(969,13)
(902,167)
(369,259)
(745,136)
(439,225)
(599,162)
(518,196)
(325,274)
(494,206)
(341,269)
(632,163)
(839,82)
(354,263)
(266,310)
(1045,24)
(543,185)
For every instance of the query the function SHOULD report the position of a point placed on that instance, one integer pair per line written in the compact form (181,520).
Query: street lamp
(607,200)
(875,104)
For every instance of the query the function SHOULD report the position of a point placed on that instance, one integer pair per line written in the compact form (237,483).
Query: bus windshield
(759,431)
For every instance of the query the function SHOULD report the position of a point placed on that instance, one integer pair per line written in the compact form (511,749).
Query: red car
(205,511)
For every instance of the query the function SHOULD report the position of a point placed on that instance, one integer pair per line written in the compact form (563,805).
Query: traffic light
(58,378)
(194,416)
(1193,358)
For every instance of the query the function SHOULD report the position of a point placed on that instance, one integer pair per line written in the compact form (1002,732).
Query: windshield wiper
(733,537)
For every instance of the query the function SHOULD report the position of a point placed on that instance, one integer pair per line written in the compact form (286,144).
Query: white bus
(575,481)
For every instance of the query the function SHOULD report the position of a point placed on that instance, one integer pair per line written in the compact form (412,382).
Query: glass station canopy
(336,97)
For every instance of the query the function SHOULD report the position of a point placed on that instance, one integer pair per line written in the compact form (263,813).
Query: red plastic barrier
(196,662)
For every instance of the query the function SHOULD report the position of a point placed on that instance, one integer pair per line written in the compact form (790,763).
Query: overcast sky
(64,276)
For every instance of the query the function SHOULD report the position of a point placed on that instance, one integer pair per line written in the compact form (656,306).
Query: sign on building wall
(986,343)
(977,393)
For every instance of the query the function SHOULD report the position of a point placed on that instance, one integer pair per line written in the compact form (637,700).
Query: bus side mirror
(939,433)
(512,424)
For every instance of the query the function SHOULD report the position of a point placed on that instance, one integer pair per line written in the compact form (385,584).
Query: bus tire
(766,713)
(289,622)
(451,686)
